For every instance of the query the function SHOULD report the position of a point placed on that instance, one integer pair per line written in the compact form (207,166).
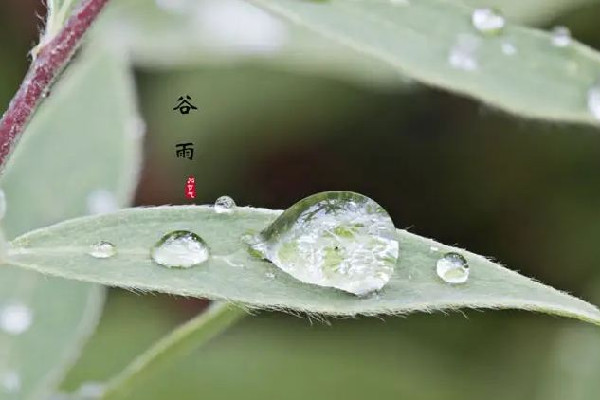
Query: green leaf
(81,139)
(201,32)
(538,81)
(233,274)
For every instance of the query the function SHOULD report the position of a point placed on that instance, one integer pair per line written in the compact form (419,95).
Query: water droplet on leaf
(15,318)
(224,205)
(593,100)
(335,239)
(453,268)
(181,249)
(561,36)
(102,250)
(10,382)
(101,201)
(463,54)
(508,48)
(488,21)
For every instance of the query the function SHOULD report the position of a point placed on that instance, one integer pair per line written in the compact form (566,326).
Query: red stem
(50,61)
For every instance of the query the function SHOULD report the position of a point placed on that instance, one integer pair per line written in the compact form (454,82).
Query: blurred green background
(526,193)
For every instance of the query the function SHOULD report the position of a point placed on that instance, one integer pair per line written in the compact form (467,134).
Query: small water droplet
(508,48)
(2,204)
(101,201)
(90,390)
(463,54)
(181,249)
(434,248)
(334,239)
(270,275)
(10,382)
(15,318)
(488,21)
(561,36)
(593,100)
(224,205)
(453,268)
(136,127)
(102,250)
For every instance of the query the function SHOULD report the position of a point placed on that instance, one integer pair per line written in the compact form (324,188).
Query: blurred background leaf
(269,133)
(70,161)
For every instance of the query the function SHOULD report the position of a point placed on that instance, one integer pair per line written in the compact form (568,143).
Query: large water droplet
(488,21)
(102,250)
(101,201)
(453,268)
(15,318)
(181,249)
(224,205)
(593,100)
(561,36)
(10,382)
(2,204)
(463,54)
(336,239)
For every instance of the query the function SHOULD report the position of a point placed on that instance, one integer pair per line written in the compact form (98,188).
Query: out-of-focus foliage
(68,152)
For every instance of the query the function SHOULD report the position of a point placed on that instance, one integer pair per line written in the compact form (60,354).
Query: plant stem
(168,350)
(50,61)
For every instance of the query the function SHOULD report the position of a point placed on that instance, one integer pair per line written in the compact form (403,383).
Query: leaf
(232,274)
(538,81)
(200,32)
(80,140)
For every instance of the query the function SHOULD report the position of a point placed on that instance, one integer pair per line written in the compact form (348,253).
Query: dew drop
(136,127)
(463,54)
(593,100)
(224,205)
(102,250)
(561,36)
(180,249)
(2,204)
(101,201)
(453,268)
(508,48)
(334,239)
(15,318)
(488,21)
(270,275)
(10,382)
